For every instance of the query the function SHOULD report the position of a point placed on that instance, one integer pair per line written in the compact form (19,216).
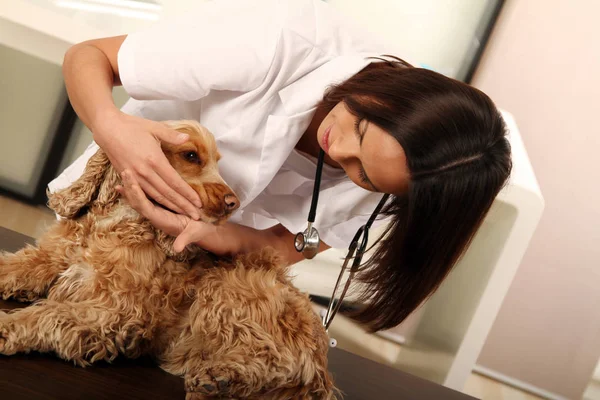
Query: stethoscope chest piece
(307,242)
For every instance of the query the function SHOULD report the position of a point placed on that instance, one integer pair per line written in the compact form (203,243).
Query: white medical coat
(252,72)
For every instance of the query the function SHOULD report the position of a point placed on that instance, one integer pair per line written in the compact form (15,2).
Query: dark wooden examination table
(45,377)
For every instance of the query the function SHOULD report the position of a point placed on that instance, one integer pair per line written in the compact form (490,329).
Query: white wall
(432,32)
(109,23)
(543,65)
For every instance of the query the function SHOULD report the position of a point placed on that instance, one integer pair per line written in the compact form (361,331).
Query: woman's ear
(70,201)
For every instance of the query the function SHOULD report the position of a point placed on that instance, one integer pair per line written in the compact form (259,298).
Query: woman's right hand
(133,144)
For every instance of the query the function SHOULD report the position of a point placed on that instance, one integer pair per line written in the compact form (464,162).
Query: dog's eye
(191,156)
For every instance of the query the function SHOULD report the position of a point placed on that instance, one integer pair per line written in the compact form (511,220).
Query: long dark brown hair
(458,158)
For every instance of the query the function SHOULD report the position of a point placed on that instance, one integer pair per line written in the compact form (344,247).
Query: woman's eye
(357,129)
(362,175)
(191,156)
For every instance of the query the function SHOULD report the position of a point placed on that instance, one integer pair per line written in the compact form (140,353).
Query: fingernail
(183,137)
(198,203)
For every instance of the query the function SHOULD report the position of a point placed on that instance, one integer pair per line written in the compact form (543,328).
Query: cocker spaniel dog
(104,282)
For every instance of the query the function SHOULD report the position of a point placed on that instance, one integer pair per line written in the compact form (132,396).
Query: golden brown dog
(106,282)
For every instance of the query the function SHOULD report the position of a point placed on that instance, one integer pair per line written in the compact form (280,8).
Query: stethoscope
(307,243)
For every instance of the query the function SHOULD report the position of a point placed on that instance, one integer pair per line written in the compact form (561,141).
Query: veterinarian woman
(276,81)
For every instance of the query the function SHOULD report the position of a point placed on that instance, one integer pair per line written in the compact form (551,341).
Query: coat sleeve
(219,45)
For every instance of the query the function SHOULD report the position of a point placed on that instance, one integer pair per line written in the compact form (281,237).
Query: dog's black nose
(231,202)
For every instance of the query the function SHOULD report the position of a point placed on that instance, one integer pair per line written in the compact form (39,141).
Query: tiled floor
(33,221)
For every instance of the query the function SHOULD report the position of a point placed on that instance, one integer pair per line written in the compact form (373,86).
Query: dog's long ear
(107,195)
(68,202)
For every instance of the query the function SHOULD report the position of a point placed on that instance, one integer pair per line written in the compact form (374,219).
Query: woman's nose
(344,148)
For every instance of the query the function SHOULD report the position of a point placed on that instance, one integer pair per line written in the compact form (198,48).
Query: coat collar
(299,101)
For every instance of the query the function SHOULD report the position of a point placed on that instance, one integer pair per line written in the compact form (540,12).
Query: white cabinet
(35,120)
(32,97)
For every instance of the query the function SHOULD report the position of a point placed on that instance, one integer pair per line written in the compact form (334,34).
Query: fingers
(185,230)
(182,192)
(154,194)
(180,243)
(168,174)
(177,195)
(171,223)
(193,232)
(135,196)
(171,136)
(158,190)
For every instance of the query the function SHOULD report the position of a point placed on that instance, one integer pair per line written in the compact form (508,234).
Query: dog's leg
(27,274)
(217,362)
(273,347)
(79,332)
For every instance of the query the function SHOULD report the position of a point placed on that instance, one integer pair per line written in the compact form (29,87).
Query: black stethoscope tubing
(308,241)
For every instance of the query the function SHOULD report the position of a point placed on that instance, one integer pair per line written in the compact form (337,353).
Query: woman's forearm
(90,71)
(242,239)
(238,239)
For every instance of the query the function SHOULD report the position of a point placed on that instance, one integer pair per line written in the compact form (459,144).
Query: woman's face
(371,157)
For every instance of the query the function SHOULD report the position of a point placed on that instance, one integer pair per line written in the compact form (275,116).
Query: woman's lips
(326,139)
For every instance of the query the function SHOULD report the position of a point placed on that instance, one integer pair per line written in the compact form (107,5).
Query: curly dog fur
(105,282)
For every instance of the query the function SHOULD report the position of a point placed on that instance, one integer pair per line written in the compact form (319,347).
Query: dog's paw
(215,382)
(25,296)
(129,340)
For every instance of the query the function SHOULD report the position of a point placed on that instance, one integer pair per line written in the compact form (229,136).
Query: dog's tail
(96,184)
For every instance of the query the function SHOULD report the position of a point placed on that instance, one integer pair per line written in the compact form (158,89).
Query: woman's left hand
(221,240)
(185,229)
